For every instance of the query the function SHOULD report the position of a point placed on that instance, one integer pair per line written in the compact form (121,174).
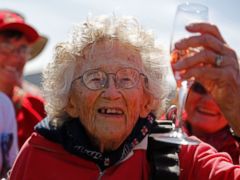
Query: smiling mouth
(110,111)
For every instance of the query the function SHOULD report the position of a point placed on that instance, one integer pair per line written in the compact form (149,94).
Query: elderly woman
(104,89)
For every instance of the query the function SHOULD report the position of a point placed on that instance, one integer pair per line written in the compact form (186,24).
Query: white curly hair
(59,74)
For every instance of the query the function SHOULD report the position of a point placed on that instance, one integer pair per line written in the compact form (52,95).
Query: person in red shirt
(19,42)
(104,90)
(205,120)
(8,135)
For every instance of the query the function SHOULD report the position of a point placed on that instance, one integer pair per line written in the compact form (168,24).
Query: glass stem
(182,96)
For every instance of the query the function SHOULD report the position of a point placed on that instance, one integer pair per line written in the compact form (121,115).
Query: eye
(126,82)
(94,77)
(125,79)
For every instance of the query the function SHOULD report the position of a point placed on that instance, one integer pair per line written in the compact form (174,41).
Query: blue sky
(54,18)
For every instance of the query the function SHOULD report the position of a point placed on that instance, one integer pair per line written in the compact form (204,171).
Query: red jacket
(223,141)
(42,159)
(29,111)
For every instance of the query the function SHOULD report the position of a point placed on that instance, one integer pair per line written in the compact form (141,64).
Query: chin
(211,130)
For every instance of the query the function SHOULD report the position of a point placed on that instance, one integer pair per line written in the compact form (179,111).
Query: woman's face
(109,114)
(12,62)
(203,113)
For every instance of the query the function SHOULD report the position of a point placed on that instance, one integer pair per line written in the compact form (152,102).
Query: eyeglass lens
(124,78)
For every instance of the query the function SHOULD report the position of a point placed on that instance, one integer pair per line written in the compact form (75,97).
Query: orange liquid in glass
(177,55)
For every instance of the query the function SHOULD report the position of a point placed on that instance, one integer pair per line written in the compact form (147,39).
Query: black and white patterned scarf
(74,139)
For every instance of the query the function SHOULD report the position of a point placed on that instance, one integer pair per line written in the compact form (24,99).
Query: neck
(105,146)
(199,133)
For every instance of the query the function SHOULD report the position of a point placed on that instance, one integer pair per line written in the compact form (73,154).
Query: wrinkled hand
(222,78)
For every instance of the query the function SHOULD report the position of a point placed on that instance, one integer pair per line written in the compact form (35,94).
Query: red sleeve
(20,166)
(28,115)
(204,162)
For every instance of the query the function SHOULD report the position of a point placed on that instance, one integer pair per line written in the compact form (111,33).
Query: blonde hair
(59,74)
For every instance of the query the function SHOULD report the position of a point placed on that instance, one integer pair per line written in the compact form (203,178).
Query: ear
(147,104)
(71,107)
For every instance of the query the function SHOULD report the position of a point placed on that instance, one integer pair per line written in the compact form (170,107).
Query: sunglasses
(198,88)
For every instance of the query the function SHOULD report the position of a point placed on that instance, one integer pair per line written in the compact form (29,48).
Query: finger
(203,74)
(205,28)
(204,58)
(208,41)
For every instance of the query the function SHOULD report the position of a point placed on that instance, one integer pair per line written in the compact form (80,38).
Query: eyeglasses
(125,78)
(198,88)
(7,49)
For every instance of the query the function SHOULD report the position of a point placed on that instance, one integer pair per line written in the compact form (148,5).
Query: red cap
(11,20)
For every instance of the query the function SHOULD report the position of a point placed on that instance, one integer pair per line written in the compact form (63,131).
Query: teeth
(110,111)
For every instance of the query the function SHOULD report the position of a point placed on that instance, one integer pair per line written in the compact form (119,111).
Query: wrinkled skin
(108,131)
(223,82)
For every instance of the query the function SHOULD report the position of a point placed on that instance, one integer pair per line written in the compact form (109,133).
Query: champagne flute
(186,13)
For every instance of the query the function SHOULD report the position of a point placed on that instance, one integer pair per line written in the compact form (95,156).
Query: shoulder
(196,151)
(36,143)
(26,101)
(32,151)
(45,159)
(202,151)
(5,101)
(21,96)
(28,96)
(36,140)
(33,100)
(204,160)
(7,114)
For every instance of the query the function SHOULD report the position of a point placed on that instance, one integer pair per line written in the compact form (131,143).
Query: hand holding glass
(186,14)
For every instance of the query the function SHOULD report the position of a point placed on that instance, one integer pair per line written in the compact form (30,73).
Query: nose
(111,91)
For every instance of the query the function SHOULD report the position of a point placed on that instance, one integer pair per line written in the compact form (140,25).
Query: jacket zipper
(101,173)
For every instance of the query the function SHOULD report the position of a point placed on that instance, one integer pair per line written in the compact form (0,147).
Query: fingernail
(190,26)
(177,44)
